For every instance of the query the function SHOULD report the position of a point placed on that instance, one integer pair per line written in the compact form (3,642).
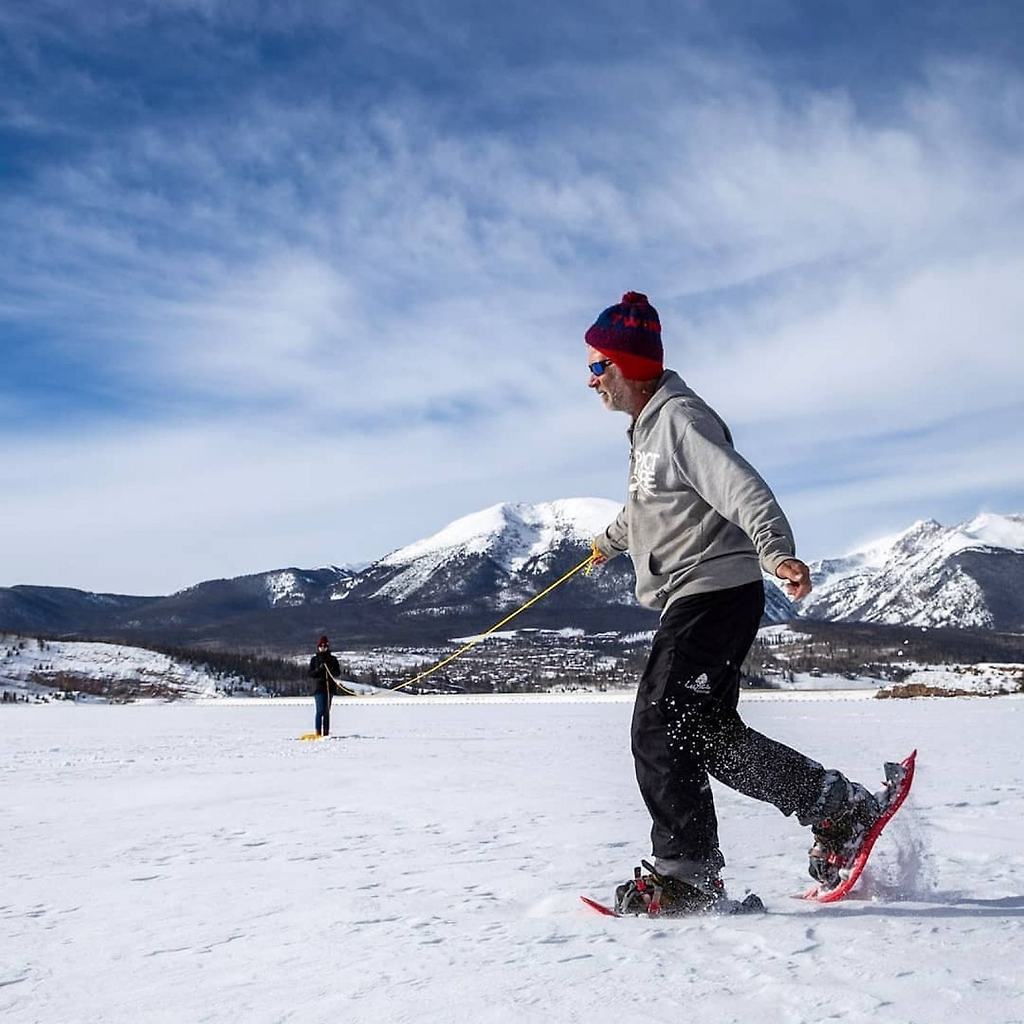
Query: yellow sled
(311,736)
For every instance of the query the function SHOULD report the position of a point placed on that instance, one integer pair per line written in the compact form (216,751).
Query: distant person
(324,668)
(701,525)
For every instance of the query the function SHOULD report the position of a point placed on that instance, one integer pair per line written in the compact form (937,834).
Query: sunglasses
(598,368)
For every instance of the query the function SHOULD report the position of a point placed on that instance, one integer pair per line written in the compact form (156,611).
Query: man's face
(610,385)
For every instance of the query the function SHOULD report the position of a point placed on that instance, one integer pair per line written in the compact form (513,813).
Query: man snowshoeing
(700,525)
(324,668)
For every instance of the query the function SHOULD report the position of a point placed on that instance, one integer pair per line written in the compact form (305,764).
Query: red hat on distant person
(629,334)
(323,642)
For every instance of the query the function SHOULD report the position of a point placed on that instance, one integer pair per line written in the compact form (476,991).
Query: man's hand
(597,556)
(797,577)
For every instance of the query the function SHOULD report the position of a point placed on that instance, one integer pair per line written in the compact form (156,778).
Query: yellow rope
(585,564)
(338,683)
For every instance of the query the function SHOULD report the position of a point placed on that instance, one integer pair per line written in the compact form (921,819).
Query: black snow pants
(686,726)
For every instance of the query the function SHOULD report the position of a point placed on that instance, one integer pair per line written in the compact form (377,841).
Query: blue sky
(291,284)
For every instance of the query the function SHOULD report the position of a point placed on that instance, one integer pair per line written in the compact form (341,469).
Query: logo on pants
(699,685)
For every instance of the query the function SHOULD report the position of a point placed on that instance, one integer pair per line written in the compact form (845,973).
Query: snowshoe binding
(656,895)
(839,837)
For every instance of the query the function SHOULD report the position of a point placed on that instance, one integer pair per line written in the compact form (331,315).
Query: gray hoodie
(698,517)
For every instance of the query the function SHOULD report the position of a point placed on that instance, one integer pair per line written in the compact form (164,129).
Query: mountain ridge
(965,575)
(458,580)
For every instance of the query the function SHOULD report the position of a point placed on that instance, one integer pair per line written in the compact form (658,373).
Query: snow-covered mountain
(969,576)
(462,578)
(497,556)
(453,582)
(514,536)
(502,555)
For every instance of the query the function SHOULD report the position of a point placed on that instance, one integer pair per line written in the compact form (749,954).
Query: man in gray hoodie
(700,525)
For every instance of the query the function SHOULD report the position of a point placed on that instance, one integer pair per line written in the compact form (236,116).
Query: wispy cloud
(377,291)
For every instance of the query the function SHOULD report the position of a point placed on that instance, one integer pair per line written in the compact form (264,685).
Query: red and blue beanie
(629,334)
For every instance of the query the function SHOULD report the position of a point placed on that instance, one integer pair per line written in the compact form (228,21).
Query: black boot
(656,895)
(839,836)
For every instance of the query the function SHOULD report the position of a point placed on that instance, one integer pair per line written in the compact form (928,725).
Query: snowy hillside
(279,588)
(969,575)
(31,667)
(984,679)
(296,587)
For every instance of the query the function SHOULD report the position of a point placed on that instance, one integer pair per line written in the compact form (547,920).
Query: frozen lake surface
(182,863)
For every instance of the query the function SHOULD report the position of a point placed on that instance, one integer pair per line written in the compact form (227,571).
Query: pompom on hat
(629,334)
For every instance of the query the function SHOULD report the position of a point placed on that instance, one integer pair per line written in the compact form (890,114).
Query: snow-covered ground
(826,681)
(782,634)
(181,863)
(981,678)
(29,666)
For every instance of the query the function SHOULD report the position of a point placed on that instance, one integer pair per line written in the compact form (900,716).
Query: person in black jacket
(324,668)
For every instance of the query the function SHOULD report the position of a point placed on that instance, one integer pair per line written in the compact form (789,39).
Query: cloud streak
(399,282)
